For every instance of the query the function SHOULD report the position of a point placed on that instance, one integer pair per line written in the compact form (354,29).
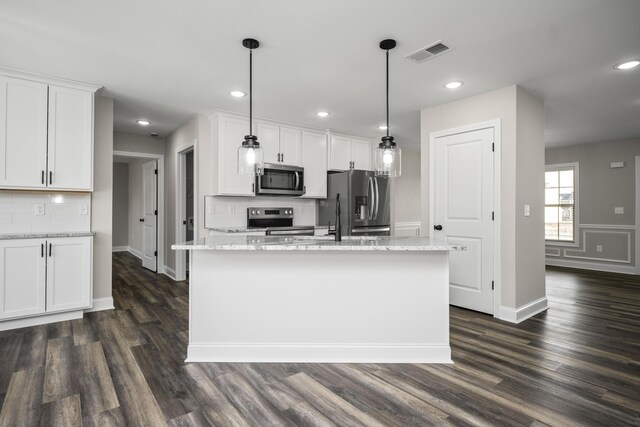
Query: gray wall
(120,204)
(406,189)
(522,169)
(600,190)
(138,143)
(102,196)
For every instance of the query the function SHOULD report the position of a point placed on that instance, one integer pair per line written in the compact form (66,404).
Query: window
(560,194)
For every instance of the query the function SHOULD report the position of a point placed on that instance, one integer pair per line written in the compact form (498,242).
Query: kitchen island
(311,299)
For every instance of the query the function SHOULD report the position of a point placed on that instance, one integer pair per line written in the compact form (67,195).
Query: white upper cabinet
(290,146)
(46,134)
(314,161)
(269,139)
(228,134)
(23,133)
(281,145)
(70,145)
(347,152)
(361,153)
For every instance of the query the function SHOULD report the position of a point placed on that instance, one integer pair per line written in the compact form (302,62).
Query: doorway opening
(138,207)
(186,224)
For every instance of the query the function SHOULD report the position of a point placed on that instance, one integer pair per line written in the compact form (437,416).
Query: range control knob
(258,212)
(253,212)
(290,212)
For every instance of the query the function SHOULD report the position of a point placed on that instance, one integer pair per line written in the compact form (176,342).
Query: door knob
(437,227)
(141,219)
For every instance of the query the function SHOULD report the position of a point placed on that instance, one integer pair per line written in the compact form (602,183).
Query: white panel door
(361,154)
(290,146)
(340,153)
(230,182)
(70,145)
(69,275)
(463,208)
(23,133)
(314,161)
(22,277)
(269,139)
(150,213)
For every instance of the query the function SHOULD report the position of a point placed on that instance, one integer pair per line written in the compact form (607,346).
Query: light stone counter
(316,243)
(11,236)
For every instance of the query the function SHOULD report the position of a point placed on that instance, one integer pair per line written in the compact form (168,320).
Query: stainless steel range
(277,221)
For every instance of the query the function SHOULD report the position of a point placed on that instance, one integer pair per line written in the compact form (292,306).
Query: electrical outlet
(527,210)
(618,210)
(38,209)
(598,248)
(84,210)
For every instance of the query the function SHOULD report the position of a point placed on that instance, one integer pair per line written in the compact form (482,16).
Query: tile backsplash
(232,211)
(39,212)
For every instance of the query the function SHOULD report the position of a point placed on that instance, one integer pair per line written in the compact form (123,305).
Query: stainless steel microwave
(280,180)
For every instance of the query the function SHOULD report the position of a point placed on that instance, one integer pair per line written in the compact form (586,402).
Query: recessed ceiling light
(382,127)
(237,93)
(627,65)
(144,122)
(322,113)
(453,85)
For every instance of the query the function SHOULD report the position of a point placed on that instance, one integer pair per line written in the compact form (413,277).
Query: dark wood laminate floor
(576,364)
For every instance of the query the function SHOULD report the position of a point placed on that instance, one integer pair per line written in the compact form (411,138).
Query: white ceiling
(166,60)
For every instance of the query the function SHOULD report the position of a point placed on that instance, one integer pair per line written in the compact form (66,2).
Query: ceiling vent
(428,52)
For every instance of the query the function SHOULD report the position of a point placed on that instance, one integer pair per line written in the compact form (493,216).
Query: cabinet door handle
(282,157)
(42,177)
(253,187)
(50,177)
(49,249)
(41,250)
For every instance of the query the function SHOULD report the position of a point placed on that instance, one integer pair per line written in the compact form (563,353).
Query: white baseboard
(595,266)
(6,325)
(135,252)
(170,272)
(120,249)
(100,304)
(318,353)
(517,315)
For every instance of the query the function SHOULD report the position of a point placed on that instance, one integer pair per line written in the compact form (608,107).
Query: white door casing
(463,204)
(150,210)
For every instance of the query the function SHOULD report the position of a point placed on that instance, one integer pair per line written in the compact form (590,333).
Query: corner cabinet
(348,152)
(46,134)
(43,276)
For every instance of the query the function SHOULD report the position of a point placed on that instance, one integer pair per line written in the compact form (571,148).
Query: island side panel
(315,306)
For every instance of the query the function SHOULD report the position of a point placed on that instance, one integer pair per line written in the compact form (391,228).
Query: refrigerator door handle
(375,180)
(371,194)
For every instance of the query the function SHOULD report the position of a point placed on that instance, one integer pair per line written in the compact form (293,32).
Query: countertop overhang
(317,243)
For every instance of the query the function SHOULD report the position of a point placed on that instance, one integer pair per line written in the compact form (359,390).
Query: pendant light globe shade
(250,155)
(388,159)
(388,156)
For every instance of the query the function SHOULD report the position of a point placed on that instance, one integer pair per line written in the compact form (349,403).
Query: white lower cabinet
(42,276)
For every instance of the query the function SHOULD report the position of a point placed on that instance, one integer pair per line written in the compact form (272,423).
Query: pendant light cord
(387,92)
(251,92)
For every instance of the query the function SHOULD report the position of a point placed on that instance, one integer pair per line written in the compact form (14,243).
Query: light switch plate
(38,209)
(527,210)
(618,210)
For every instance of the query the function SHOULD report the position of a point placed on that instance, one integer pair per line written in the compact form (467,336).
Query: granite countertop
(317,243)
(243,229)
(10,236)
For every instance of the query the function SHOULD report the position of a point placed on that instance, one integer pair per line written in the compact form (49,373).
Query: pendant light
(249,153)
(388,155)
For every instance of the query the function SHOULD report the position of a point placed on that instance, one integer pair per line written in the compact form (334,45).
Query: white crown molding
(9,72)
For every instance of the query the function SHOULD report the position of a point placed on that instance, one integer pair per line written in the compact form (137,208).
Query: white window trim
(576,203)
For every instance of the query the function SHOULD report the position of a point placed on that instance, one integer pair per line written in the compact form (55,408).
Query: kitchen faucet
(337,232)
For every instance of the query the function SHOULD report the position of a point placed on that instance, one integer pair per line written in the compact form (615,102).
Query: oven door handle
(289,232)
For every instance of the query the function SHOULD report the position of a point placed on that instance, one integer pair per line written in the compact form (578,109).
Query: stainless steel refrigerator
(364,203)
